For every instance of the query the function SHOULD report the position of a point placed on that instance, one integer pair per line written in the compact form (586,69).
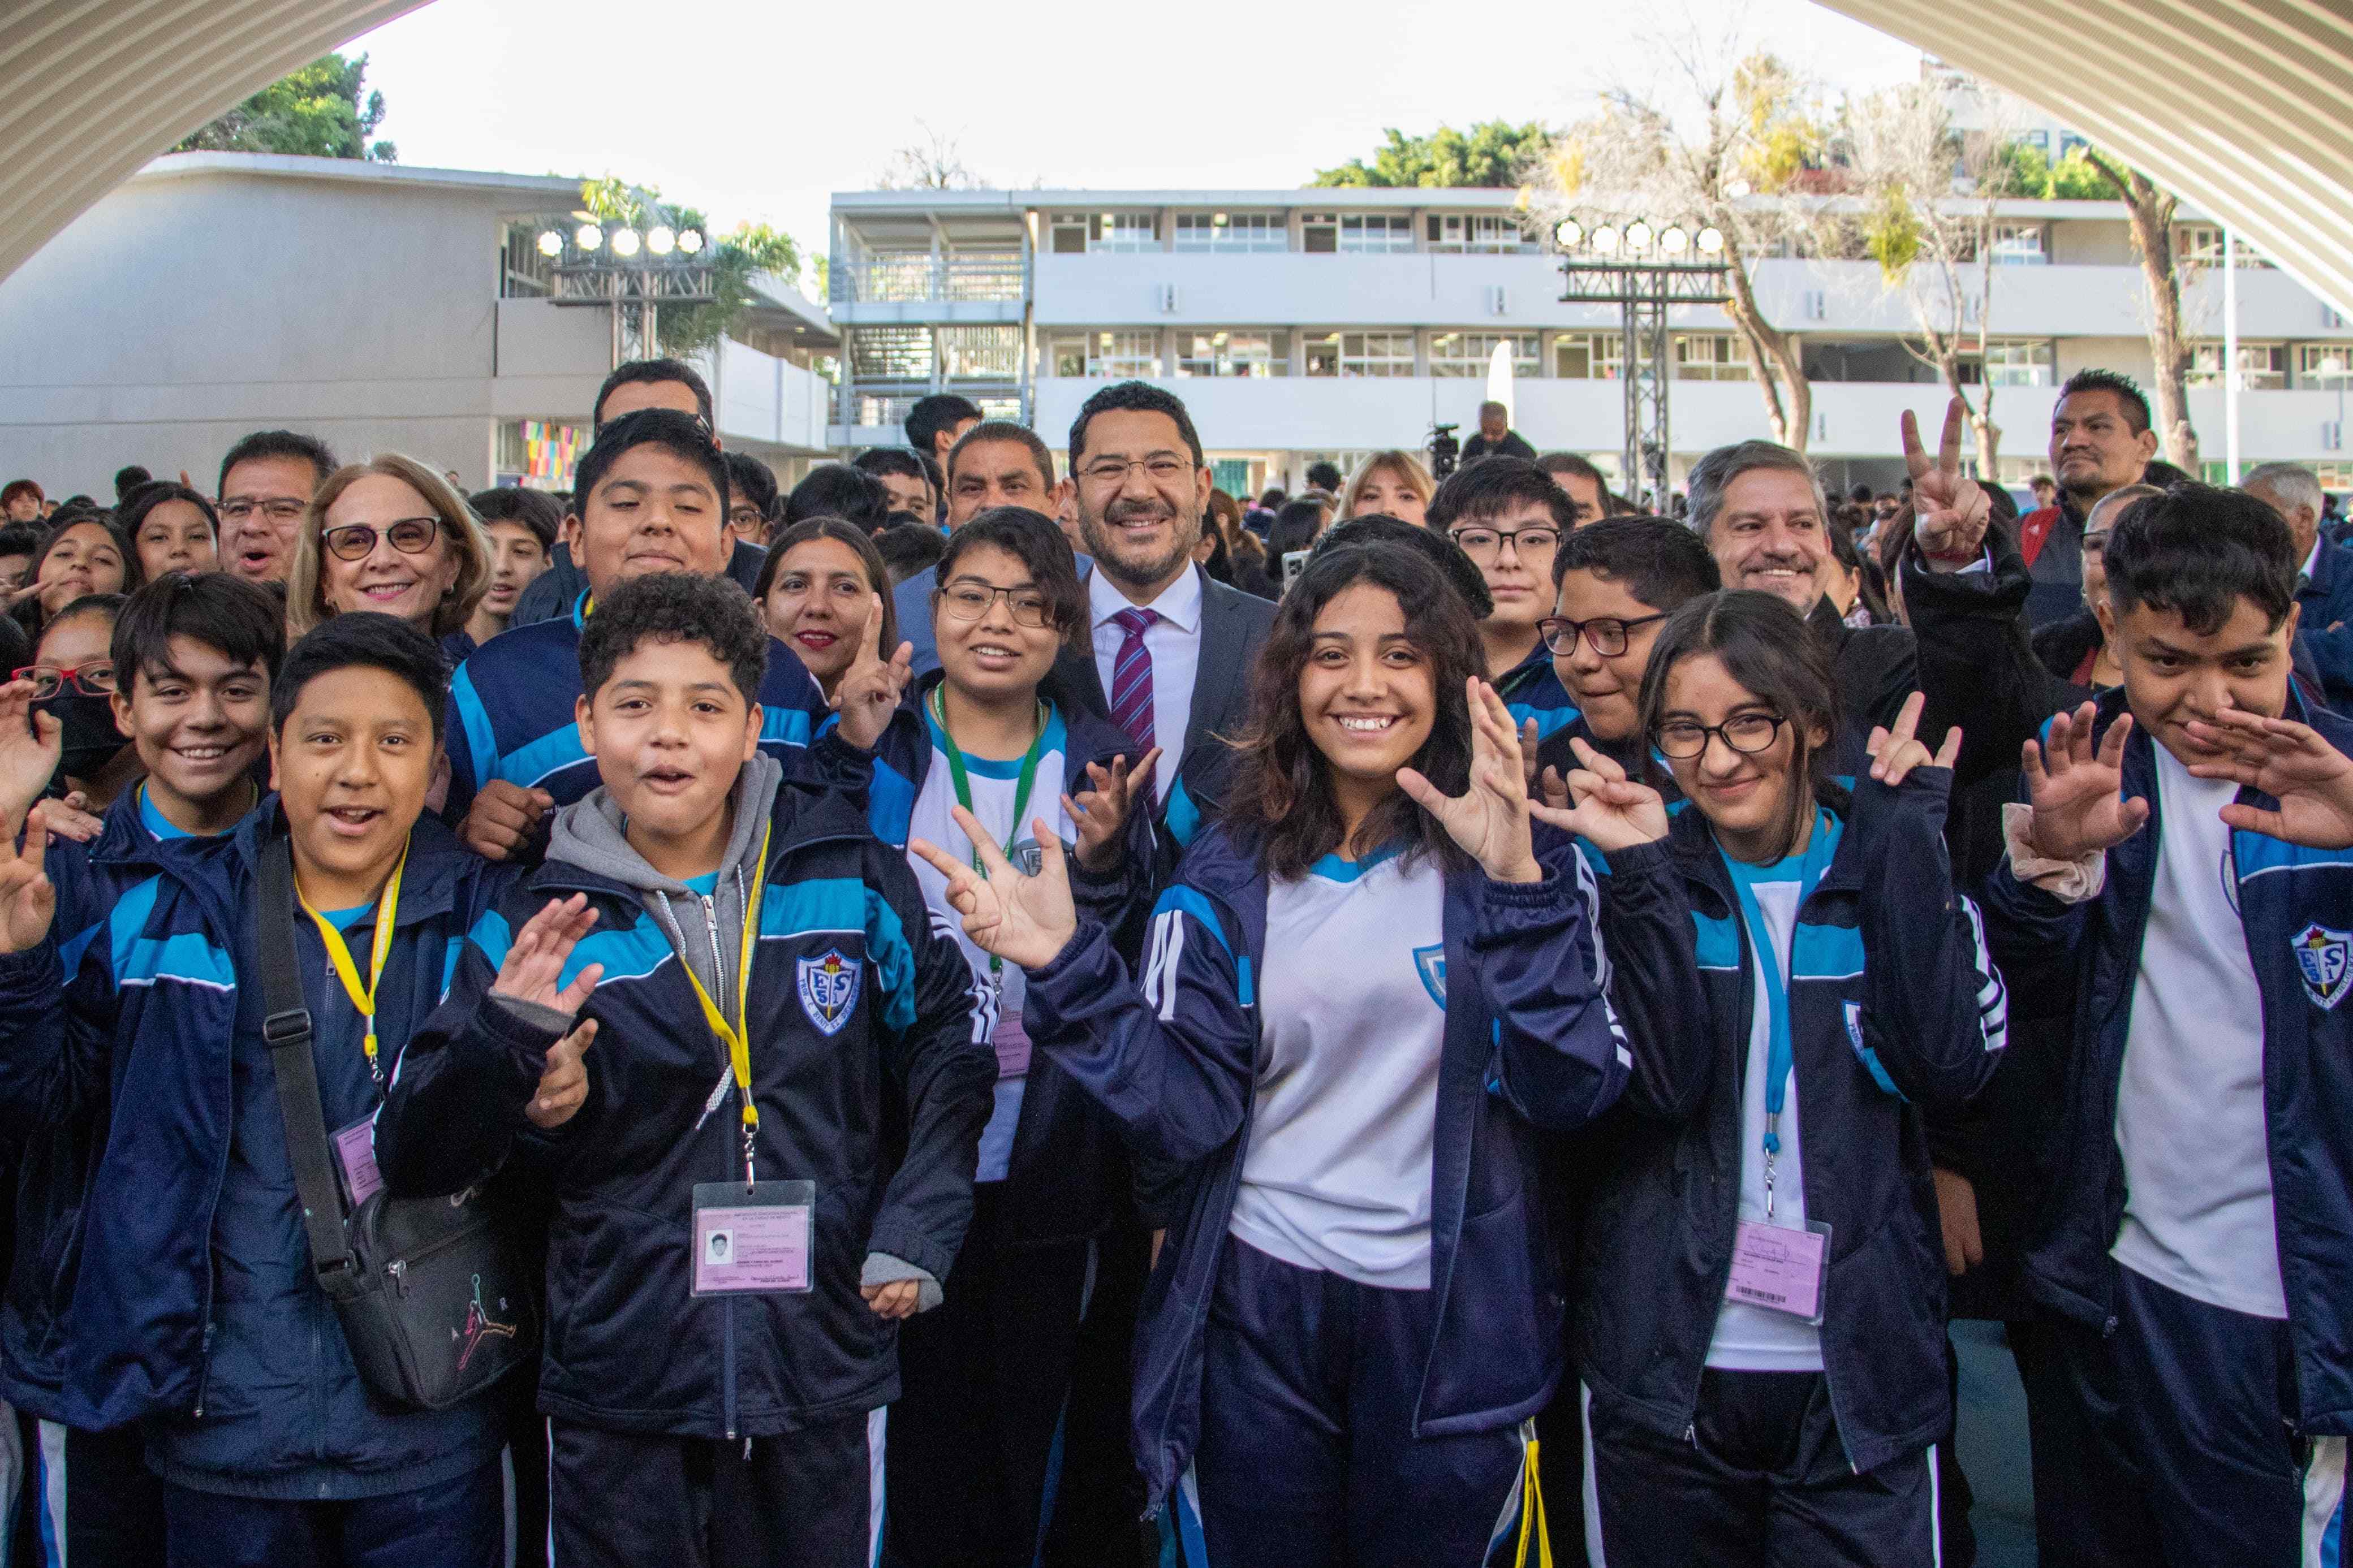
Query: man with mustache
(2100,441)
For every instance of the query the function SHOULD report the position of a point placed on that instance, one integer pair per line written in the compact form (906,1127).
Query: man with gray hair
(2323,584)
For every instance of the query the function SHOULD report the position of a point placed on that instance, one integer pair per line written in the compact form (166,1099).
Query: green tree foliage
(2026,171)
(319,111)
(1493,155)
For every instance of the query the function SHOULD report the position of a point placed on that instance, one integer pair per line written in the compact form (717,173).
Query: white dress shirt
(1173,641)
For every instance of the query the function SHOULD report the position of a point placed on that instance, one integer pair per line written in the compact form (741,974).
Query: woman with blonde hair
(1388,484)
(391,536)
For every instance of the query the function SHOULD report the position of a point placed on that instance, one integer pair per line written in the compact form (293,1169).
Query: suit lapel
(1217,667)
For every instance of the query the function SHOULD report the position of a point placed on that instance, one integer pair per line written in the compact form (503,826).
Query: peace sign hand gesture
(1026,920)
(867,694)
(1953,511)
(32,740)
(2077,793)
(2312,779)
(1100,812)
(1490,819)
(1895,753)
(1600,804)
(28,900)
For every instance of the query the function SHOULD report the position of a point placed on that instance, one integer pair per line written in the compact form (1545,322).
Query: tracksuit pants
(984,1378)
(1761,1479)
(804,1499)
(1307,1457)
(97,1498)
(2171,1440)
(459,1523)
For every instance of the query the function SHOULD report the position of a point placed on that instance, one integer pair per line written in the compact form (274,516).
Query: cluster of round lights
(625,242)
(1637,238)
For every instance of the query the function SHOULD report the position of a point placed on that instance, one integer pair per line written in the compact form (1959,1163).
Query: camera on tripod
(1445,451)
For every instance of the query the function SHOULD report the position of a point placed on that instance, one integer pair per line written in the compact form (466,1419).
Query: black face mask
(88,732)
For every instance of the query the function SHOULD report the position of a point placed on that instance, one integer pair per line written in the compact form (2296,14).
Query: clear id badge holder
(1781,1268)
(752,1240)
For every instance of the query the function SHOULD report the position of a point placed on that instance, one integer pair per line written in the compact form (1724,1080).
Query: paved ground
(1992,1445)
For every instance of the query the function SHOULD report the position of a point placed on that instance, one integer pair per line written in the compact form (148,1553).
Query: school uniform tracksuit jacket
(857,1007)
(2081,964)
(1532,689)
(193,1305)
(1530,1042)
(1894,1006)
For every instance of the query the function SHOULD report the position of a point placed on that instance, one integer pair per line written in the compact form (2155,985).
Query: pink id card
(355,1151)
(1780,1268)
(752,1239)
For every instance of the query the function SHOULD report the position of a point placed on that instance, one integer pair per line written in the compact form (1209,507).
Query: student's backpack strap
(286,1029)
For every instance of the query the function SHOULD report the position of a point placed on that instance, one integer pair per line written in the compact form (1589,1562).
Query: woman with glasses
(390,536)
(1761,1303)
(72,676)
(984,1376)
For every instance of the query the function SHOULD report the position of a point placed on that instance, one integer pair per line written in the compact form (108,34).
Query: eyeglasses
(1161,470)
(1486,543)
(1607,634)
(1746,734)
(281,511)
(746,519)
(970,601)
(356,541)
(95,679)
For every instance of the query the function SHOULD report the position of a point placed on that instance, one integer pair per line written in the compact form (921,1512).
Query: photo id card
(1781,1268)
(355,1152)
(752,1239)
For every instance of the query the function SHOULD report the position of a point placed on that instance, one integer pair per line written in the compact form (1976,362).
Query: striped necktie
(1131,680)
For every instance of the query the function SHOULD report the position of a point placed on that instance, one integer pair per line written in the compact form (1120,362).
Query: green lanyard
(963,783)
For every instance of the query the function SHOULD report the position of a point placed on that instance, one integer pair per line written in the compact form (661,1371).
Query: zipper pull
(398,1269)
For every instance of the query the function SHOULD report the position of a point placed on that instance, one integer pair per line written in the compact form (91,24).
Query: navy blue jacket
(2079,963)
(1532,689)
(1893,1005)
(2326,598)
(1530,1042)
(193,1304)
(510,713)
(1067,1172)
(878,1097)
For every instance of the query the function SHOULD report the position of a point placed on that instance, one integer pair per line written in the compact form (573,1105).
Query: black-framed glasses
(1607,634)
(1747,733)
(356,541)
(281,511)
(970,602)
(93,679)
(1486,543)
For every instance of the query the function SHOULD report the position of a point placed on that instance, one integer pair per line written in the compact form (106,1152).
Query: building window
(1711,356)
(1357,353)
(2326,363)
(2028,363)
(1468,354)
(2262,366)
(1073,233)
(2018,245)
(523,272)
(1491,234)
(1377,234)
(2201,245)
(890,354)
(1587,356)
(1230,232)
(1105,356)
(980,353)
(1246,353)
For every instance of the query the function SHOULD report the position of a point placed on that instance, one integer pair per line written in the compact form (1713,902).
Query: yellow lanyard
(736,1037)
(339,954)
(1533,1525)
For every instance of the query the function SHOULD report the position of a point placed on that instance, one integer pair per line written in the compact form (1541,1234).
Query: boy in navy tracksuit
(719,1018)
(197,656)
(2192,1400)
(1509,517)
(652,498)
(193,1307)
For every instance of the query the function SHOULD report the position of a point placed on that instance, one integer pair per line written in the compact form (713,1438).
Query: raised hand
(534,961)
(2312,780)
(2076,792)
(1102,812)
(503,818)
(1895,753)
(1600,804)
(1022,919)
(1952,509)
(28,900)
(564,1085)
(32,740)
(1490,819)
(868,692)
(66,818)
(1528,743)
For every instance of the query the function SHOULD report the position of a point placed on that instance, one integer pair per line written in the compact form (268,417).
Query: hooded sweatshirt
(706,931)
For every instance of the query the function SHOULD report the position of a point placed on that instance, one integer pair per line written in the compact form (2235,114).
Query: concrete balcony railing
(977,287)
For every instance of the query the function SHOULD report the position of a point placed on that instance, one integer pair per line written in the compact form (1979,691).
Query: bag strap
(286,1031)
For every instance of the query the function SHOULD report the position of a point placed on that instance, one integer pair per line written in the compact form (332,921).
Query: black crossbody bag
(437,1300)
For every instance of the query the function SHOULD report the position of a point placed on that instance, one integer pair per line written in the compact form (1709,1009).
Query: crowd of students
(1512,1041)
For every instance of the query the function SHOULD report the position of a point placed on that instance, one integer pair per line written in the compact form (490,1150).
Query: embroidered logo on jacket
(1432,961)
(1854,1027)
(829,986)
(2325,959)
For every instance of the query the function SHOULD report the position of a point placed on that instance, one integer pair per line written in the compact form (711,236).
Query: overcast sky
(760,109)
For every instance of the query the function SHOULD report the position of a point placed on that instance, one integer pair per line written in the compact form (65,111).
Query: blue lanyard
(1778,1059)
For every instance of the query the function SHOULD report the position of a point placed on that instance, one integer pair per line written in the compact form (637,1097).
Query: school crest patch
(2325,957)
(829,987)
(1431,962)
(1854,1026)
